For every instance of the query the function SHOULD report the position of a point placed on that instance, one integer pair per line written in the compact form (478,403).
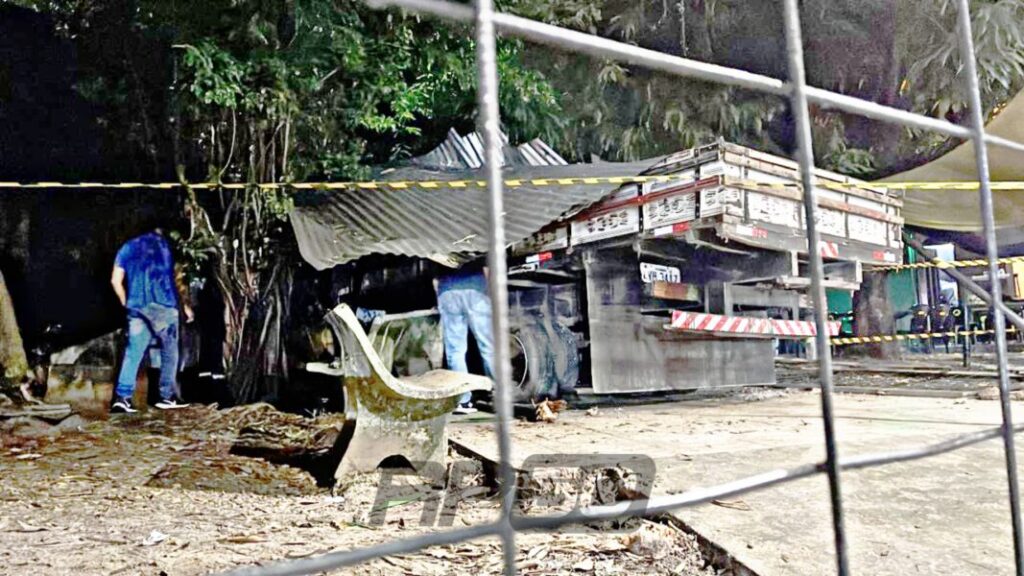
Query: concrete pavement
(943,515)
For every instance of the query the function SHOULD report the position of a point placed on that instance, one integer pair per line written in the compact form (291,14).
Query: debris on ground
(27,427)
(289,439)
(547,410)
(733,504)
(48,412)
(992,393)
(155,537)
(571,485)
(760,393)
(938,375)
(163,492)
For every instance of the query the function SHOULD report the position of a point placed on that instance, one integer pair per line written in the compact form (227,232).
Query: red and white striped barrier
(698,322)
(691,321)
(828,249)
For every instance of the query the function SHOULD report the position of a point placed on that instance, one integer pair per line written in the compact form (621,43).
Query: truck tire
(531,366)
(566,359)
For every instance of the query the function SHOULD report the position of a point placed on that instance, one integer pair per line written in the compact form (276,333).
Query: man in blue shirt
(465,306)
(143,279)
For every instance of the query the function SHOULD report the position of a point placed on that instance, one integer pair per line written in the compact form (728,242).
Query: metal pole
(999,321)
(933,301)
(489,126)
(965,319)
(801,115)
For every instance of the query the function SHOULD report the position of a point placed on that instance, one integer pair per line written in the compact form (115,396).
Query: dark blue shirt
(464,279)
(149,271)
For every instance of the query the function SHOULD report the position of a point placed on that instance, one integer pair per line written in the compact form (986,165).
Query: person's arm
(117,282)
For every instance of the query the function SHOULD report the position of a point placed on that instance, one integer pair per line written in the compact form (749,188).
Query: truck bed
(726,194)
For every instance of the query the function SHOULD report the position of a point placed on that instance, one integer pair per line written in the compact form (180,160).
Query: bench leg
(423,443)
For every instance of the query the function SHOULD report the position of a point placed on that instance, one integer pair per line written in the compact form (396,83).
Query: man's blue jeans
(144,325)
(463,310)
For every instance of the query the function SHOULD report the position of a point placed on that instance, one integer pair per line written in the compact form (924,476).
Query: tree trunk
(873,315)
(13,361)
(257,357)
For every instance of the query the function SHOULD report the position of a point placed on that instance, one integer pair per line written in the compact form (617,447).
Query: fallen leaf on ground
(307,553)
(585,565)
(242,539)
(439,554)
(654,541)
(545,413)
(612,545)
(538,552)
(23,527)
(734,504)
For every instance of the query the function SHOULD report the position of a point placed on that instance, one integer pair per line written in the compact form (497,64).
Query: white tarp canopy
(958,210)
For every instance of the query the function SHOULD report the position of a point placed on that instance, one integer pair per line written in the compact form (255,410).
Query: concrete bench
(390,416)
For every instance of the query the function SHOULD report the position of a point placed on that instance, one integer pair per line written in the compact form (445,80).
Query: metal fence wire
(487,23)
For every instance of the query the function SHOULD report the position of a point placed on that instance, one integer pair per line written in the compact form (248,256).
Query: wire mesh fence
(487,23)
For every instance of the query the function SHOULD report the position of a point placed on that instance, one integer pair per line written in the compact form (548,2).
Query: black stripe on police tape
(946,264)
(553,181)
(882,338)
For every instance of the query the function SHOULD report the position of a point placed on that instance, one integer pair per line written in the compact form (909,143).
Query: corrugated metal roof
(447,226)
(466,153)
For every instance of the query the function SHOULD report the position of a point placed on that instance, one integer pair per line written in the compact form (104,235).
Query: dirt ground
(160,494)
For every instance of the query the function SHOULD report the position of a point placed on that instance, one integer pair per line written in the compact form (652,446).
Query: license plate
(658,273)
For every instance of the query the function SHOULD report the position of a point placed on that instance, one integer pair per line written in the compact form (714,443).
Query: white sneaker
(170,404)
(122,406)
(466,408)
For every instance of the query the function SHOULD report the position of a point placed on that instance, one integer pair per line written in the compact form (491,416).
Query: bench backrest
(357,355)
(360,360)
(409,343)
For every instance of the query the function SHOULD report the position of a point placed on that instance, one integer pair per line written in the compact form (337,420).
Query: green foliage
(275,91)
(899,53)
(934,81)
(852,161)
(359,87)
(216,75)
(623,113)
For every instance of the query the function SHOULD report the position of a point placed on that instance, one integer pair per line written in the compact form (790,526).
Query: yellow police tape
(512,183)
(518,182)
(902,337)
(369,185)
(936,263)
(373,185)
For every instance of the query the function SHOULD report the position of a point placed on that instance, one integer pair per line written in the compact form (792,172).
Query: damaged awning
(445,225)
(958,210)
